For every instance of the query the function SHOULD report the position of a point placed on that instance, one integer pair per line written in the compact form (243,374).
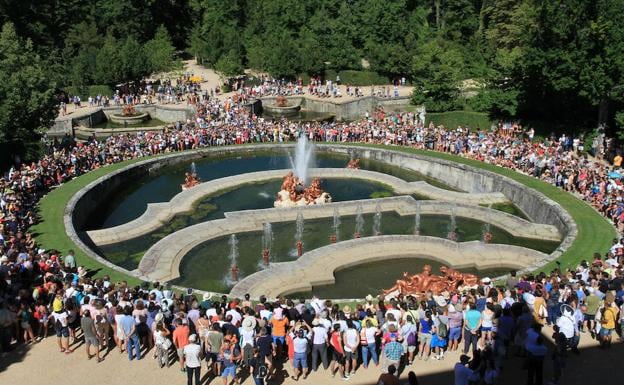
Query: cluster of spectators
(43,290)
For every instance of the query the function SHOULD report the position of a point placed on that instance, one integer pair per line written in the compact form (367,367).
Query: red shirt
(181,336)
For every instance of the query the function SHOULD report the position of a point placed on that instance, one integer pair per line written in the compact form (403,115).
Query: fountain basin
(277,110)
(129,120)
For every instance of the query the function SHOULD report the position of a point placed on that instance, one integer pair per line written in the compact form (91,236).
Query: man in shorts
(180,340)
(214,341)
(87,324)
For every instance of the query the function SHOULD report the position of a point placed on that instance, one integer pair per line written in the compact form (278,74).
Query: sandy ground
(213,79)
(42,364)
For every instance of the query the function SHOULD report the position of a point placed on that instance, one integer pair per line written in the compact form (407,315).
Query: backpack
(262,369)
(411,339)
(442,330)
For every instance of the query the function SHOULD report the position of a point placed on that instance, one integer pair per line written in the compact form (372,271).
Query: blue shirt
(472,318)
(126,323)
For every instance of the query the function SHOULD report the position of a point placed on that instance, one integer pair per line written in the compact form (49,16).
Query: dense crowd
(46,290)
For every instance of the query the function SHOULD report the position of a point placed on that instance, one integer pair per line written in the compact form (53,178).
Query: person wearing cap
(192,353)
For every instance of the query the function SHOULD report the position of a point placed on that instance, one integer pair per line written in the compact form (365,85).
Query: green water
(205,266)
(147,123)
(508,208)
(247,197)
(130,201)
(372,278)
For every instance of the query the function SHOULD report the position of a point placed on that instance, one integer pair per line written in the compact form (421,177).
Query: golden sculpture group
(294,193)
(423,282)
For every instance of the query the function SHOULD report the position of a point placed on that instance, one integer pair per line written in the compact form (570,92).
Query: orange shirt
(181,336)
(279,327)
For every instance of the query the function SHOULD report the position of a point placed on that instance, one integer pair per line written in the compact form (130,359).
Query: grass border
(595,233)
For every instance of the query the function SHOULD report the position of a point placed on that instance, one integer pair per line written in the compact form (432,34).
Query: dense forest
(549,60)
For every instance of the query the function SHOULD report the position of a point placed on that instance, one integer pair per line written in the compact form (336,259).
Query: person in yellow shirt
(608,319)
(617,160)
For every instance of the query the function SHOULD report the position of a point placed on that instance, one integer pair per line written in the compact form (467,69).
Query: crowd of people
(43,291)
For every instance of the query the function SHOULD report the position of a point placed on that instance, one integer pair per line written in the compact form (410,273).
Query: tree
(28,104)
(159,52)
(436,69)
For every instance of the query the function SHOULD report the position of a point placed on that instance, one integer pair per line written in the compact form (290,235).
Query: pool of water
(131,201)
(247,197)
(371,278)
(206,265)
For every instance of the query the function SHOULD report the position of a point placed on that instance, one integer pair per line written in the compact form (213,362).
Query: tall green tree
(28,104)
(436,72)
(159,52)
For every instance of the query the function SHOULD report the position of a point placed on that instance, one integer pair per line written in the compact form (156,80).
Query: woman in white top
(119,337)
(351,342)
(487,316)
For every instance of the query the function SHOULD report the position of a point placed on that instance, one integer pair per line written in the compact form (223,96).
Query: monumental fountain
(294,190)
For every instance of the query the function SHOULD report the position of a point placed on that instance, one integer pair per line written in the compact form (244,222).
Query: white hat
(369,298)
(40,251)
(486,280)
(159,317)
(248,323)
(206,296)
(193,338)
(4,258)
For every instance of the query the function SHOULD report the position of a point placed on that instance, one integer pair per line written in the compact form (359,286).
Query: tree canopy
(536,59)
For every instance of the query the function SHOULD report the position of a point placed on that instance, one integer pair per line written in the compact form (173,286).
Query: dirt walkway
(42,364)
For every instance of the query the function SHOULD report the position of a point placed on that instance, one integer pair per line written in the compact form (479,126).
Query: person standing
(87,324)
(259,368)
(300,345)
(472,324)
(393,351)
(230,354)
(129,333)
(351,343)
(463,373)
(338,356)
(180,340)
(319,344)
(192,358)
(535,361)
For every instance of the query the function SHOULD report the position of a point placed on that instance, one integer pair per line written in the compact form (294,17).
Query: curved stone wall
(317,267)
(161,262)
(539,208)
(158,213)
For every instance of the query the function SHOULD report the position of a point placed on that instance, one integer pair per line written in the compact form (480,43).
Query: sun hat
(206,296)
(486,280)
(248,324)
(159,317)
(346,309)
(369,298)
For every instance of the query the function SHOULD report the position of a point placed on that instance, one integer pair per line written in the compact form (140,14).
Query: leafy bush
(362,78)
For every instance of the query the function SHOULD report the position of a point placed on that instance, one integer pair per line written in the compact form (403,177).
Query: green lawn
(594,232)
(453,119)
